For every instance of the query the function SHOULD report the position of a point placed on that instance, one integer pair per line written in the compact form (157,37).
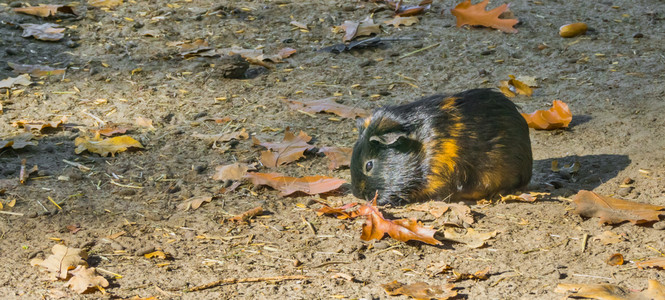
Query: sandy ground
(612,78)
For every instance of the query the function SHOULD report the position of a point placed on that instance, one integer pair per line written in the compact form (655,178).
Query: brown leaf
(525,197)
(657,262)
(44,32)
(330,106)
(20,141)
(311,185)
(104,3)
(468,14)
(290,149)
(23,79)
(62,260)
(338,156)
(45,10)
(471,237)
(459,214)
(189,49)
(213,139)
(35,70)
(558,116)
(654,291)
(513,87)
(230,172)
(420,290)
(397,20)
(111,129)
(38,125)
(376,226)
(105,147)
(257,211)
(286,52)
(613,211)
(409,10)
(194,202)
(609,237)
(478,275)
(341,212)
(144,122)
(355,29)
(299,25)
(85,278)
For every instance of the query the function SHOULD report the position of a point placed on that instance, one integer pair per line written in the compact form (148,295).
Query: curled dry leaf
(341,212)
(614,211)
(45,10)
(299,25)
(338,156)
(525,197)
(289,150)
(478,275)
(190,49)
(471,237)
(408,10)
(615,259)
(157,254)
(355,29)
(558,116)
(111,129)
(23,79)
(609,237)
(455,213)
(420,290)
(144,122)
(230,172)
(20,141)
(468,14)
(330,106)
(62,260)
(572,30)
(211,139)
(397,20)
(657,262)
(38,125)
(257,211)
(513,87)
(105,3)
(44,32)
(311,185)
(84,279)
(194,202)
(105,147)
(655,290)
(35,70)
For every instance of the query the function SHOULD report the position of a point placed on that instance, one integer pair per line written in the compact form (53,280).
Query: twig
(419,50)
(126,185)
(584,241)
(309,225)
(54,203)
(10,213)
(241,280)
(78,165)
(94,117)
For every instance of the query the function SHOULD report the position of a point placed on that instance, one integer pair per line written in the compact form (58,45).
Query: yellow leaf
(104,147)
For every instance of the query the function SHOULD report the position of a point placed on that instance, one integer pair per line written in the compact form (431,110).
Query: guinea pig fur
(471,145)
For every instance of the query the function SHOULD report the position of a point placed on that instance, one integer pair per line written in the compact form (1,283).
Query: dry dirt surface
(123,63)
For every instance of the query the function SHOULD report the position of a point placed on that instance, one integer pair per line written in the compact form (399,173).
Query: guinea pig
(468,146)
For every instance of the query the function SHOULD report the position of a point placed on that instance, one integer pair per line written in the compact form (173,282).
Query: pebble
(127,192)
(638,35)
(380,245)
(117,246)
(190,235)
(659,225)
(144,250)
(71,44)
(624,191)
(11,51)
(32,214)
(487,52)
(16,4)
(627,180)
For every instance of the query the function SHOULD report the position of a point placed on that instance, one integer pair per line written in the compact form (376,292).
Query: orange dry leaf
(290,149)
(468,14)
(45,10)
(615,259)
(525,197)
(85,278)
(286,52)
(513,87)
(338,156)
(613,211)
(655,290)
(190,49)
(243,217)
(62,260)
(341,212)
(158,254)
(478,275)
(409,10)
(44,32)
(105,146)
(105,3)
(330,106)
(402,230)
(311,185)
(20,141)
(230,172)
(420,290)
(35,70)
(111,129)
(406,21)
(556,117)
(609,237)
(38,125)
(658,262)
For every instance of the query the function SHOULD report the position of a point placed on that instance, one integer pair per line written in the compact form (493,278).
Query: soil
(612,78)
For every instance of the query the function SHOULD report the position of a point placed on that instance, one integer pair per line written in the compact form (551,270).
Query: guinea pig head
(386,160)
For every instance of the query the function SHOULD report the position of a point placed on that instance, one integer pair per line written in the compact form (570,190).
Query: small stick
(419,50)
(52,201)
(309,225)
(126,185)
(94,117)
(306,113)
(241,280)
(584,241)
(10,213)
(78,165)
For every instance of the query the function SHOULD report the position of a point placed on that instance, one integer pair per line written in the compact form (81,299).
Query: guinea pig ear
(362,123)
(388,138)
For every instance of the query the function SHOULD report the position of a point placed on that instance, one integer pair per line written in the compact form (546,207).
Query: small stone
(71,44)
(190,235)
(380,245)
(659,225)
(145,250)
(487,52)
(200,169)
(638,35)
(279,227)
(349,7)
(624,191)
(16,4)
(127,192)
(627,180)
(32,214)
(117,246)
(11,51)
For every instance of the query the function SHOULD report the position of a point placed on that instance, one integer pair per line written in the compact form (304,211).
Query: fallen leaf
(513,87)
(572,30)
(311,185)
(111,129)
(420,290)
(85,278)
(525,197)
(654,291)
(212,139)
(609,237)
(376,226)
(330,106)
(38,125)
(157,254)
(299,25)
(144,122)
(408,10)
(355,29)
(190,49)
(468,14)
(471,237)
(614,211)
(23,79)
(286,52)
(459,215)
(340,212)
(615,259)
(397,20)
(657,262)
(74,228)
(257,211)
(230,172)
(105,146)
(290,149)
(478,275)
(338,156)
(44,32)
(62,260)
(45,10)
(104,3)
(35,70)
(558,116)
(194,202)
(20,141)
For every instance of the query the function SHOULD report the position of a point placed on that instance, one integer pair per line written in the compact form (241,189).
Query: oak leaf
(35,70)
(38,125)
(234,171)
(468,14)
(157,254)
(85,278)
(558,116)
(62,260)
(19,142)
(338,156)
(290,149)
(330,106)
(513,87)
(471,237)
(341,212)
(397,20)
(376,226)
(194,202)
(105,147)
(23,79)
(478,275)
(311,185)
(658,262)
(614,211)
(44,32)
(420,290)
(655,290)
(45,10)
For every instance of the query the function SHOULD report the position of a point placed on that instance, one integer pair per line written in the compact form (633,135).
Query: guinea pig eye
(369,165)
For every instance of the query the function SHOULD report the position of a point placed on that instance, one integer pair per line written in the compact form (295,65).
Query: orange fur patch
(367,121)
(444,151)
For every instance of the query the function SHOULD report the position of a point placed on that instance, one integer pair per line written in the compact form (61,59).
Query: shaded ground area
(120,67)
